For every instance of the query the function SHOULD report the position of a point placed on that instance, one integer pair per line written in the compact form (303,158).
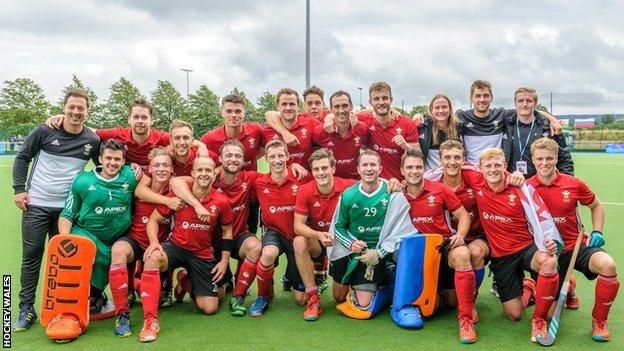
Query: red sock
(118,277)
(185,282)
(245,277)
(545,294)
(606,290)
(465,285)
(150,288)
(265,280)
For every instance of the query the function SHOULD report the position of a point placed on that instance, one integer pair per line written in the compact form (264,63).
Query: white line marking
(614,203)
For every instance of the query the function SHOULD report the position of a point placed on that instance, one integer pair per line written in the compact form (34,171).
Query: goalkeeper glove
(595,239)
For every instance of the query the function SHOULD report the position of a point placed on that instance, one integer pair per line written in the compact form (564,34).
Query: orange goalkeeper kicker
(431,267)
(69,260)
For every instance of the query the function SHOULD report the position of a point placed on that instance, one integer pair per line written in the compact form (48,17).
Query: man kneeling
(190,246)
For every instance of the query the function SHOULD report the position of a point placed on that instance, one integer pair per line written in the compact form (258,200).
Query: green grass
(283,328)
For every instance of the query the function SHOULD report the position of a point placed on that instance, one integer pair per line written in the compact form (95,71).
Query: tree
(608,118)
(422,109)
(541,107)
(95,109)
(266,102)
(203,110)
(115,111)
(168,104)
(22,106)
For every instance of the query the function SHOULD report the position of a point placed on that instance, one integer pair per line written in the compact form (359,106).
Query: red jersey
(184,169)
(380,140)
(320,207)
(561,198)
(250,137)
(302,129)
(141,213)
(430,209)
(346,149)
(467,197)
(501,214)
(239,193)
(277,203)
(136,152)
(193,234)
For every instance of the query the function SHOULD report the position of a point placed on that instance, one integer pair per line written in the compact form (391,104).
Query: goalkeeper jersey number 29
(360,216)
(101,206)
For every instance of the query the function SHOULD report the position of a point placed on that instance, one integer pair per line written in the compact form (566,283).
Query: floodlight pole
(361,106)
(307,44)
(187,79)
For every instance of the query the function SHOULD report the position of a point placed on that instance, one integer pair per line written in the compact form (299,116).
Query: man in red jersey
(346,142)
(451,159)
(431,205)
(189,246)
(140,138)
(130,248)
(512,245)
(562,194)
(248,133)
(236,184)
(316,203)
(314,109)
(388,134)
(276,192)
(287,105)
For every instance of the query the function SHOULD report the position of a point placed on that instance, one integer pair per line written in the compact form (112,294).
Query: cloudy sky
(419,47)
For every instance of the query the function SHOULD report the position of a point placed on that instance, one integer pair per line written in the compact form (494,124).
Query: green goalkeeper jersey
(101,206)
(361,216)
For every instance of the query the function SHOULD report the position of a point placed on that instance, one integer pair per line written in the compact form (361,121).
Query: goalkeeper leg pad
(65,305)
(381,299)
(418,265)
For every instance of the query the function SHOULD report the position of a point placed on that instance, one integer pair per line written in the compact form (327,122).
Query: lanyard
(520,147)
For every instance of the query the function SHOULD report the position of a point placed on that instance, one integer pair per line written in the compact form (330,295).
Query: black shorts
(271,237)
(509,272)
(238,244)
(582,262)
(446,275)
(199,269)
(136,248)
(338,269)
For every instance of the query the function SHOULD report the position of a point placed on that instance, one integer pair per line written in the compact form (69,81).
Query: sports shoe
(131,298)
(179,291)
(100,307)
(467,333)
(475,316)
(166,298)
(494,289)
(600,330)
(237,306)
(26,319)
(314,309)
(528,285)
(259,306)
(150,330)
(286,283)
(573,301)
(538,327)
(122,325)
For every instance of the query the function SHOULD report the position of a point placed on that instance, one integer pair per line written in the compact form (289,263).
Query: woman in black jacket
(440,124)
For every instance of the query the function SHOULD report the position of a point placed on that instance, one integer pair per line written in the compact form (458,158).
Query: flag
(541,223)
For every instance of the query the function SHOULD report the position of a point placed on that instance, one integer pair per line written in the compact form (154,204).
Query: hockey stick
(563,294)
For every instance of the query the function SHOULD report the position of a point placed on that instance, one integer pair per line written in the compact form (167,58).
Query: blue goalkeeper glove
(595,239)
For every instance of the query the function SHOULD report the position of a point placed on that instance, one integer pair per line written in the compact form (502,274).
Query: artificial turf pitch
(283,328)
